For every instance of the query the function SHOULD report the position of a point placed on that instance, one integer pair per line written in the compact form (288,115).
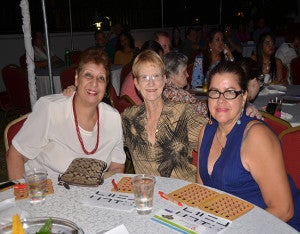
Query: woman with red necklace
(62,128)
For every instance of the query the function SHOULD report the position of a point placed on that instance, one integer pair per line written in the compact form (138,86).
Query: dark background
(141,14)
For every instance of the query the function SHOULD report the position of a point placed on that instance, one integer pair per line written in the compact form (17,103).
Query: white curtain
(29,50)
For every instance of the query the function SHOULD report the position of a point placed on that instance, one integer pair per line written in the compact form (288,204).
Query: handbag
(83,172)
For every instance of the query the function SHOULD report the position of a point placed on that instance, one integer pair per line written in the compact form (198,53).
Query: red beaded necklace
(78,131)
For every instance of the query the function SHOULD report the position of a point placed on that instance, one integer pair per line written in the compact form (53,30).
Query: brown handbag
(83,172)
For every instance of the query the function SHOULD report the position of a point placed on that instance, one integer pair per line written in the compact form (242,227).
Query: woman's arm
(198,178)
(116,167)
(261,155)
(15,163)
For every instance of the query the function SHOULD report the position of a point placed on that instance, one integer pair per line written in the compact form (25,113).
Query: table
(43,82)
(66,204)
(293,93)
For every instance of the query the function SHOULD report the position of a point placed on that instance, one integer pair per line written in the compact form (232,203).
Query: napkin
(286,116)
(121,229)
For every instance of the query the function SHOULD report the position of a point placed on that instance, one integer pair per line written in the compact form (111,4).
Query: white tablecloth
(43,81)
(293,92)
(248,48)
(67,204)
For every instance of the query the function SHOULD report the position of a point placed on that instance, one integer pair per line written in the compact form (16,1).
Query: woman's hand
(253,111)
(69,90)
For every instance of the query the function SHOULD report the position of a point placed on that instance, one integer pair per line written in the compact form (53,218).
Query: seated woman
(241,155)
(127,87)
(176,72)
(160,134)
(62,128)
(270,66)
(40,54)
(125,49)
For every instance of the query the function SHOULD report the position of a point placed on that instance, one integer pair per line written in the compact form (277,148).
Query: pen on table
(165,196)
(115,184)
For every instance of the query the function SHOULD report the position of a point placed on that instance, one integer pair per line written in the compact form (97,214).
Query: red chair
(12,129)
(67,77)
(295,70)
(113,96)
(277,124)
(290,139)
(16,83)
(124,72)
(124,102)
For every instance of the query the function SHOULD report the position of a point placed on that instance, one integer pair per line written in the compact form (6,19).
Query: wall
(12,46)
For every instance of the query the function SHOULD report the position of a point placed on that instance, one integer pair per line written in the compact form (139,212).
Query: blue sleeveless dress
(228,173)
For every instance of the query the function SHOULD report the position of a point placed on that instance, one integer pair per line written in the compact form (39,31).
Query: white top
(40,55)
(49,135)
(286,52)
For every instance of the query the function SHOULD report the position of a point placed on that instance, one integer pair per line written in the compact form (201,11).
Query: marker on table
(166,197)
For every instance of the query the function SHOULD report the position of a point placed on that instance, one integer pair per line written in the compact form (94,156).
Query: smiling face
(91,81)
(150,81)
(226,112)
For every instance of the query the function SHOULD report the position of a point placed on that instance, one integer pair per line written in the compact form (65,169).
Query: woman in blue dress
(239,154)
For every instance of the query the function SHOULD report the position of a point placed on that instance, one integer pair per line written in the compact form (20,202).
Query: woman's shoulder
(133,111)
(108,108)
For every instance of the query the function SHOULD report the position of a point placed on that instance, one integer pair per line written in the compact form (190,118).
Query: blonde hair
(147,56)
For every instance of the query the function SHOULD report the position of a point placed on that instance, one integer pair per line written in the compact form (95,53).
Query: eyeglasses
(228,94)
(146,78)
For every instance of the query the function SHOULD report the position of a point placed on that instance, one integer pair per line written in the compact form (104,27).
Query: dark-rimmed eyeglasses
(228,94)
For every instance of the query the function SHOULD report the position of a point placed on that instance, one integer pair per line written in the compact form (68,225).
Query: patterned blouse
(176,137)
(175,94)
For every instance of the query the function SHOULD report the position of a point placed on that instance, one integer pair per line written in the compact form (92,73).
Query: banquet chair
(113,96)
(12,129)
(67,77)
(291,152)
(16,82)
(295,70)
(124,102)
(275,123)
(126,69)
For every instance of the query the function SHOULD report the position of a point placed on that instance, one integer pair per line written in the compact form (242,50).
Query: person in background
(176,73)
(176,38)
(101,43)
(190,45)
(163,38)
(159,134)
(215,50)
(240,155)
(128,87)
(270,66)
(234,44)
(40,52)
(261,28)
(125,50)
(289,50)
(253,77)
(62,128)
(114,33)
(242,34)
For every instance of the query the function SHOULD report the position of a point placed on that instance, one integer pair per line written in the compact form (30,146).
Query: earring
(239,120)
(209,121)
